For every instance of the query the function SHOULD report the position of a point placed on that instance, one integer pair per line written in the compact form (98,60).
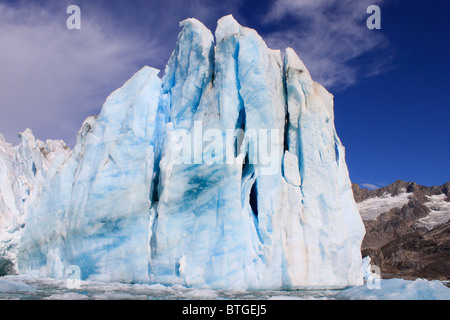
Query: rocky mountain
(407,229)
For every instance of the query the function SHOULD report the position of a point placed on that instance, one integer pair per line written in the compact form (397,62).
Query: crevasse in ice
(225,173)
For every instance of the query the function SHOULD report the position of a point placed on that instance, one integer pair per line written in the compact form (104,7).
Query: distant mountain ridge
(407,229)
(398,187)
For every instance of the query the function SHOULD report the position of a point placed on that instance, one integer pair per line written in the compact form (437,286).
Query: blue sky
(391,86)
(396,125)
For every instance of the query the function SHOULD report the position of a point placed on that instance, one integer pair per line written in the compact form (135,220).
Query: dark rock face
(397,245)
(393,224)
(6,267)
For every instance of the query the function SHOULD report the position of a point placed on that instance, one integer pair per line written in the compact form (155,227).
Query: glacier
(226,173)
(23,170)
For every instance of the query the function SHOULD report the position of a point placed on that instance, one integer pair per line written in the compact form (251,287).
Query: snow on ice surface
(439,212)
(123,207)
(371,208)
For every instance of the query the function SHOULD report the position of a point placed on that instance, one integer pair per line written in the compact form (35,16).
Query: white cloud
(370,186)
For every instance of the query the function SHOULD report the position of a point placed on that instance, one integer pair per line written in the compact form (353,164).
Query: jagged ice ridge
(139,201)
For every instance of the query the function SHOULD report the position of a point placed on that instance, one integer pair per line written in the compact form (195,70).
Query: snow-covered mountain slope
(439,212)
(372,208)
(22,172)
(373,203)
(226,173)
(407,228)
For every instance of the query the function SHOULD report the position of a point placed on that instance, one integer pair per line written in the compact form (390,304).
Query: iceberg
(227,173)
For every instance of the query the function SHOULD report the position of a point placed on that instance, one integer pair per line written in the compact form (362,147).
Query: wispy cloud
(51,77)
(328,35)
(370,186)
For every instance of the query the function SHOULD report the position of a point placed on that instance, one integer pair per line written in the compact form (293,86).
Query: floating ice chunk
(67,296)
(8,286)
(399,289)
